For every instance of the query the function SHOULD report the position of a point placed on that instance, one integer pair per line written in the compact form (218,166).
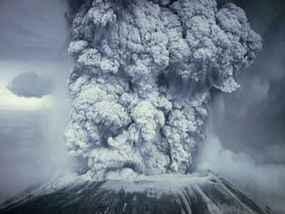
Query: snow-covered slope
(196,194)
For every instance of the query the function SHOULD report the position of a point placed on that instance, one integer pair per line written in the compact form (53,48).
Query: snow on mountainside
(203,193)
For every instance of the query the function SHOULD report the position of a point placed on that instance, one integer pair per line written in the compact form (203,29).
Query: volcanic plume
(143,76)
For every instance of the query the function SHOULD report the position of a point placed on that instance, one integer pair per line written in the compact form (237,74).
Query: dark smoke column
(143,75)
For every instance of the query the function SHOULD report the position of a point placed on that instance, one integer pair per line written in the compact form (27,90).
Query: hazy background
(245,132)
(33,38)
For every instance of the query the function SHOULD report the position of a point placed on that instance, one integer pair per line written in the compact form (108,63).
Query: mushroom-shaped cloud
(143,76)
(30,84)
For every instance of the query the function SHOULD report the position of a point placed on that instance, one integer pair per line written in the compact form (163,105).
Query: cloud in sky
(30,84)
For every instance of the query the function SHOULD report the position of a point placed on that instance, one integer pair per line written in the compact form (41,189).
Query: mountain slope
(197,194)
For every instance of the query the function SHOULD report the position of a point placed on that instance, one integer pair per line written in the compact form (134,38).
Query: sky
(245,140)
(33,38)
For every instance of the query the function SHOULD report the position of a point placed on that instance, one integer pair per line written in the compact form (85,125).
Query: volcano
(200,193)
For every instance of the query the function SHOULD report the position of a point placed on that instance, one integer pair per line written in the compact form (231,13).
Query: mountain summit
(202,193)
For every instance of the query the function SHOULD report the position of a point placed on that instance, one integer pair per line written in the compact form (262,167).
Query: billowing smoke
(30,84)
(144,73)
(250,122)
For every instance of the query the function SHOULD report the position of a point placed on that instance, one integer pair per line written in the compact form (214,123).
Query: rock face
(197,194)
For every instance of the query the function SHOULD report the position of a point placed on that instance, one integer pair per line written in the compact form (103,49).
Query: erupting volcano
(144,74)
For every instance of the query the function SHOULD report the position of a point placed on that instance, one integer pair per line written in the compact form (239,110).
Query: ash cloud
(144,74)
(263,182)
(249,123)
(30,84)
